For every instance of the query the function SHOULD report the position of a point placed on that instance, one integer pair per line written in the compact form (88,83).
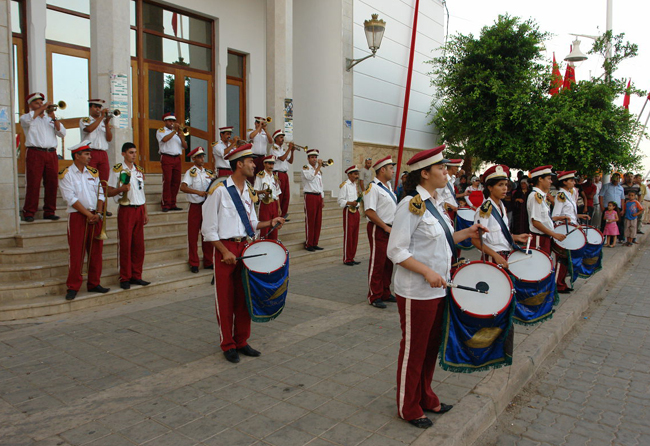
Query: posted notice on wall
(120,100)
(288,119)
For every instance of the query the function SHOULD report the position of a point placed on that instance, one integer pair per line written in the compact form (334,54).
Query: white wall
(380,83)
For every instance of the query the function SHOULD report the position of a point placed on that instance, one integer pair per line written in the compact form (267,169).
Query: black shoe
(443,408)
(232,355)
(378,304)
(310,248)
(209,267)
(109,214)
(28,219)
(99,289)
(194,269)
(53,217)
(71,294)
(125,285)
(349,263)
(422,423)
(139,282)
(175,208)
(567,291)
(391,299)
(249,351)
(165,210)
(356,263)
(318,248)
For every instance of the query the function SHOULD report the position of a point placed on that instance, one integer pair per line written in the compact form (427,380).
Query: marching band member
(195,184)
(267,186)
(41,162)
(380,203)
(81,189)
(97,130)
(349,201)
(283,157)
(131,218)
(420,246)
(172,145)
(261,140)
(540,222)
(448,192)
(312,184)
(229,221)
(221,149)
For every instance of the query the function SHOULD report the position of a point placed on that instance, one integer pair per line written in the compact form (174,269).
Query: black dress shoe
(318,248)
(71,294)
(422,423)
(232,355)
(53,217)
(165,210)
(349,263)
(443,408)
(567,291)
(28,219)
(125,285)
(391,298)
(209,267)
(175,208)
(356,263)
(99,289)
(378,304)
(194,269)
(310,248)
(109,214)
(139,282)
(249,351)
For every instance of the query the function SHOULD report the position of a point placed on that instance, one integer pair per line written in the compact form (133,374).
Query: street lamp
(576,55)
(374,29)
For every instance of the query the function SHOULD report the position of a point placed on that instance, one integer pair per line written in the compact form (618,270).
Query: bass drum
(575,239)
(481,305)
(593,234)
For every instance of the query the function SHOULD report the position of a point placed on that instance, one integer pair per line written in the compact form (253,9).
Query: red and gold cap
(352,168)
(196,152)
(81,147)
(566,175)
(427,158)
(456,162)
(99,102)
(541,170)
(277,133)
(244,151)
(499,171)
(383,162)
(225,129)
(34,96)
(269,159)
(311,152)
(167,116)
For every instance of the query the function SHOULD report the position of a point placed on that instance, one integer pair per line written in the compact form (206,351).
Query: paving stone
(289,436)
(122,419)
(86,433)
(314,424)
(230,437)
(145,431)
(171,439)
(176,417)
(259,426)
(202,429)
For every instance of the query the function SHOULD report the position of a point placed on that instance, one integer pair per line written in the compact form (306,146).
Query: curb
(479,409)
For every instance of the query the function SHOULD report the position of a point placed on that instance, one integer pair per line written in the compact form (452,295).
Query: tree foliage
(492,102)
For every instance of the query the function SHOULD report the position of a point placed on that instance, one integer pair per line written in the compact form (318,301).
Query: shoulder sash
(232,190)
(450,238)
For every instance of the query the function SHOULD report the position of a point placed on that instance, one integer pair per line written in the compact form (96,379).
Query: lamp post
(374,29)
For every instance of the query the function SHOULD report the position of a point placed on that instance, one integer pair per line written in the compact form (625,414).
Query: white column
(279,58)
(36,11)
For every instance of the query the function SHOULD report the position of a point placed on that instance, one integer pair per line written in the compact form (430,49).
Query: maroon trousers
(40,165)
(194,220)
(79,247)
(285,196)
(99,160)
(223,172)
(130,226)
(545,244)
(232,314)
(350,234)
(313,218)
(380,268)
(269,212)
(171,169)
(421,322)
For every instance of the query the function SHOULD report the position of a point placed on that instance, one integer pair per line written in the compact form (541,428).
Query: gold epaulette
(342,184)
(209,172)
(63,172)
(94,172)
(252,192)
(117,167)
(486,209)
(370,187)
(416,205)
(305,167)
(161,129)
(260,174)
(275,177)
(86,120)
(214,187)
(193,172)
(141,169)
(561,197)
(539,197)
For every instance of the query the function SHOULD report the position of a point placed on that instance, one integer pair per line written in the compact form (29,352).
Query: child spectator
(610,217)
(632,211)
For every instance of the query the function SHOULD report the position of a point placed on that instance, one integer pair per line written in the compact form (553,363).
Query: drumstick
(526,256)
(466,288)
(480,235)
(248,257)
(275,226)
(528,245)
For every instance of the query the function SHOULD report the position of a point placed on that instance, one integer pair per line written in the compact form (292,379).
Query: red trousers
(99,160)
(313,218)
(171,167)
(421,322)
(542,242)
(222,172)
(232,314)
(40,165)
(285,196)
(78,250)
(130,226)
(545,243)
(269,212)
(380,268)
(194,220)
(350,234)
(560,275)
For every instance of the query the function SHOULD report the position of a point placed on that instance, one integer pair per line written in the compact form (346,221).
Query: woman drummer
(496,243)
(421,243)
(565,209)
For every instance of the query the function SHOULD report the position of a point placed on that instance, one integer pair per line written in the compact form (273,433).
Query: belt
(42,149)
(540,235)
(312,193)
(238,239)
(131,205)
(173,156)
(390,226)
(280,171)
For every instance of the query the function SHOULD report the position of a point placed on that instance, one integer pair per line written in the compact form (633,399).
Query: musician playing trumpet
(80,187)
(96,129)
(312,184)
(261,139)
(283,157)
(222,148)
(172,145)
(267,186)
(349,199)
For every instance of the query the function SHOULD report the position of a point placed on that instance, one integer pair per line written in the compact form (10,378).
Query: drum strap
(392,195)
(453,192)
(232,190)
(450,238)
(504,229)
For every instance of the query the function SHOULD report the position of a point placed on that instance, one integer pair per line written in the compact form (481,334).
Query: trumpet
(269,119)
(328,163)
(115,113)
(54,107)
(185,130)
(303,148)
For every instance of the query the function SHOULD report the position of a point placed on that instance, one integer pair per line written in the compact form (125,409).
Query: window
(236,93)
(68,21)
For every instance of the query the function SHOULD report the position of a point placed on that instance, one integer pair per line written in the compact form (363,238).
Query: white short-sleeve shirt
(381,199)
(220,217)
(538,209)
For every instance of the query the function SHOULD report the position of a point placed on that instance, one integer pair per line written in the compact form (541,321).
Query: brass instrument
(355,208)
(186,131)
(303,148)
(328,163)
(115,112)
(268,194)
(124,178)
(102,233)
(269,119)
(54,107)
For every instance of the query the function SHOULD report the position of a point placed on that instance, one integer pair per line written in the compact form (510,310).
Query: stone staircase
(34,263)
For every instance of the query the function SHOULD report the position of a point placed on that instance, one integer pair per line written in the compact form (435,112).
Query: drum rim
(277,242)
(580,231)
(473,211)
(482,316)
(592,228)
(533,281)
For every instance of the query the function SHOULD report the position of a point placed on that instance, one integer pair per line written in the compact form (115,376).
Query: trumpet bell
(328,163)
(269,119)
(186,131)
(62,105)
(116,112)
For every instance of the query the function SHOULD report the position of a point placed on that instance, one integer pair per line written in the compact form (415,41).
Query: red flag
(626,99)
(569,76)
(556,81)
(175,24)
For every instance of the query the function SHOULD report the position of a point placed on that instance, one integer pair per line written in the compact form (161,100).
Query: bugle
(115,112)
(124,178)
(102,233)
(186,131)
(303,148)
(54,107)
(328,163)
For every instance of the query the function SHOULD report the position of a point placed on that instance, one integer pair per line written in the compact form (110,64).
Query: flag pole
(638,118)
(641,135)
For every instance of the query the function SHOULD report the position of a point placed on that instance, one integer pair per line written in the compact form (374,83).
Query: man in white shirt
(132,216)
(81,189)
(96,129)
(261,139)
(380,203)
(539,212)
(172,145)
(448,193)
(349,200)
(267,187)
(221,148)
(312,185)
(229,232)
(195,184)
(41,128)
(283,157)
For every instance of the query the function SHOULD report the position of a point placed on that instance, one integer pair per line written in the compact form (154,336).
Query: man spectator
(613,192)
(641,196)
(366,175)
(589,189)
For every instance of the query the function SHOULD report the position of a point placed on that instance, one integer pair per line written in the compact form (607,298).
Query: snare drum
(482,305)
(534,281)
(464,219)
(593,235)
(590,260)
(575,239)
(265,278)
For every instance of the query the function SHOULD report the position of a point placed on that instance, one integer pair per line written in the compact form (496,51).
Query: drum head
(594,236)
(575,240)
(466,214)
(476,198)
(535,267)
(275,256)
(479,304)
